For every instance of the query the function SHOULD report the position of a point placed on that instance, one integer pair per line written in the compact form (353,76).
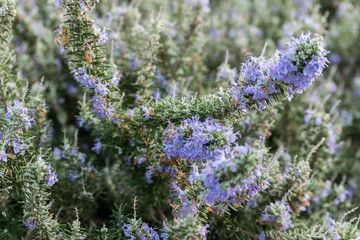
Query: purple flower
(115,78)
(52,178)
(161,79)
(59,236)
(3,156)
(147,112)
(204,231)
(80,122)
(357,93)
(307,116)
(58,3)
(136,229)
(90,167)
(159,168)
(97,146)
(256,84)
(149,172)
(57,153)
(82,77)
(332,140)
(103,108)
(30,224)
(156,95)
(331,229)
(331,224)
(194,175)
(100,88)
(196,140)
(296,68)
(254,70)
(83,6)
(130,113)
(164,235)
(335,58)
(302,62)
(16,145)
(227,74)
(19,113)
(346,117)
(102,35)
(278,214)
(72,175)
(73,151)
(262,236)
(82,157)
(343,194)
(318,121)
(141,160)
(227,181)
(134,62)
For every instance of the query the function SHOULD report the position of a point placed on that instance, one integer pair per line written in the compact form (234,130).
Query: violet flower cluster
(52,177)
(16,145)
(302,62)
(30,224)
(233,178)
(331,229)
(18,118)
(198,140)
(295,68)
(79,167)
(100,103)
(278,215)
(183,204)
(18,115)
(136,229)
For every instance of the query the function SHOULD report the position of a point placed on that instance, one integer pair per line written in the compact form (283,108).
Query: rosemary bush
(186,119)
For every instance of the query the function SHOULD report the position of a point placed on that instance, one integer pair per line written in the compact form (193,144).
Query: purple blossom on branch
(83,6)
(97,146)
(52,178)
(138,230)
(262,236)
(197,140)
(278,214)
(19,113)
(58,3)
(102,35)
(227,181)
(302,62)
(30,224)
(3,156)
(147,112)
(103,108)
(294,68)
